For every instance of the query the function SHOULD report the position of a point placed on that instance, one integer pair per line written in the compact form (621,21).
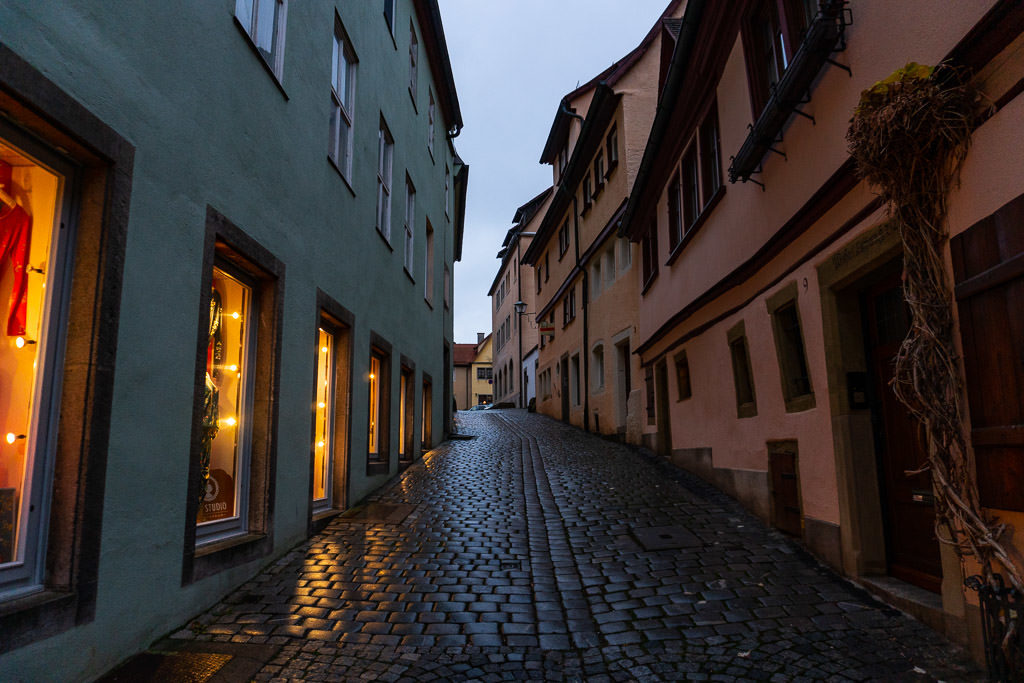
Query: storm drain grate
(190,667)
(385,513)
(665,538)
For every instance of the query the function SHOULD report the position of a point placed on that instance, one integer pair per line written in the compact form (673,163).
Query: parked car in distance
(479,406)
(500,405)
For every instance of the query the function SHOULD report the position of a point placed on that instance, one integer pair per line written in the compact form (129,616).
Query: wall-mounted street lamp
(520,307)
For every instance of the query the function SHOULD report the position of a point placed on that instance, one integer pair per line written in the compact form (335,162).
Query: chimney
(479,338)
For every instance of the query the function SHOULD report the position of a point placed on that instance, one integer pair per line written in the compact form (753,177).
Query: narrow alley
(536,551)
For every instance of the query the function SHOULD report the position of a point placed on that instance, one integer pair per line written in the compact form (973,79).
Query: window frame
(611,143)
(649,255)
(343,53)
(414,58)
(407,441)
(431,112)
(100,172)
(742,370)
(684,380)
(340,322)
(379,461)
(792,358)
(564,241)
(409,226)
(385,169)
(428,262)
(275,61)
(226,243)
(788,29)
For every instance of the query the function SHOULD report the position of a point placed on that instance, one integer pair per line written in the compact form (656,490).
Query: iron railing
(1002,614)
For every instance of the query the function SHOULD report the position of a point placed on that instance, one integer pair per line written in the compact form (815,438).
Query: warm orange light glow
(20,342)
(229,421)
(233,368)
(11,437)
(235,315)
(321,404)
(324,349)
(373,376)
(319,444)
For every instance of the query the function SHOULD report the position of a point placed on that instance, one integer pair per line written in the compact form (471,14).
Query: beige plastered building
(769,311)
(515,333)
(585,273)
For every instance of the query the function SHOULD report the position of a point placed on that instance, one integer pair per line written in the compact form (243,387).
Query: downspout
(585,351)
(519,322)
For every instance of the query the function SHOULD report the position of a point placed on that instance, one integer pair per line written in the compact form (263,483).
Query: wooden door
(565,390)
(912,550)
(988,263)
(782,467)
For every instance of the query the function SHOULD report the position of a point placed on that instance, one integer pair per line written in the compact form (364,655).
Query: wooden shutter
(988,265)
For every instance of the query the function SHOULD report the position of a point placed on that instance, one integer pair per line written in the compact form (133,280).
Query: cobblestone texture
(519,563)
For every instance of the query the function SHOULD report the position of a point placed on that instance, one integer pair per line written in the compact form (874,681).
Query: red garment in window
(15,238)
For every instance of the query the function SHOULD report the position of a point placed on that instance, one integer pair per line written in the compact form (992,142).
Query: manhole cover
(665,538)
(387,513)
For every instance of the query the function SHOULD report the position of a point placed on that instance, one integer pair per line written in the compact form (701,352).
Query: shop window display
(224,455)
(30,301)
(323,448)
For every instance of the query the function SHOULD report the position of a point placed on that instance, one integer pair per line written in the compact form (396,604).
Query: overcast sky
(513,61)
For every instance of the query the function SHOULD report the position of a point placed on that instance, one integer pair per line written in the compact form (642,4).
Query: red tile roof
(464,354)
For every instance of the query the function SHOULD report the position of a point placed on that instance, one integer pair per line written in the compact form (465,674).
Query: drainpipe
(519,323)
(585,352)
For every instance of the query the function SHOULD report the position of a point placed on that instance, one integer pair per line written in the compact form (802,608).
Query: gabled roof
(463,354)
(523,215)
(559,132)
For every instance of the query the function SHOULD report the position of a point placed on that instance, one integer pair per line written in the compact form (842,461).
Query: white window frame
(410,223)
(248,15)
(238,524)
(430,122)
(343,104)
(414,59)
(27,575)
(385,158)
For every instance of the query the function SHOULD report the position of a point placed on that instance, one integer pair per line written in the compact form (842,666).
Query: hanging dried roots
(909,137)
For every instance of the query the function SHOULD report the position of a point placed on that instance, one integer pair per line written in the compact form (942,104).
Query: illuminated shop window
(323,411)
(227,407)
(31,281)
(374,440)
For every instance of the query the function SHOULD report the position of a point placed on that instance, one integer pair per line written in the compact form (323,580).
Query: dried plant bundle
(909,136)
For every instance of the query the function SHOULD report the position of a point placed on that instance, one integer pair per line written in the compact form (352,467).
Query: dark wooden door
(565,390)
(988,262)
(912,550)
(786,515)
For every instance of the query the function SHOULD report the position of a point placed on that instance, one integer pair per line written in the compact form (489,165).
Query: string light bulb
(319,444)
(230,421)
(321,404)
(235,315)
(12,437)
(233,368)
(373,376)
(21,342)
(324,349)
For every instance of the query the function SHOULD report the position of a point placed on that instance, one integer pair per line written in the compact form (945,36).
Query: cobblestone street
(536,551)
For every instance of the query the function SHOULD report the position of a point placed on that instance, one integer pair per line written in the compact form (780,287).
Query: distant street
(536,551)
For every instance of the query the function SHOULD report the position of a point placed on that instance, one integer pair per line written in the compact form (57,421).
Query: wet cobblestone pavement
(538,552)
